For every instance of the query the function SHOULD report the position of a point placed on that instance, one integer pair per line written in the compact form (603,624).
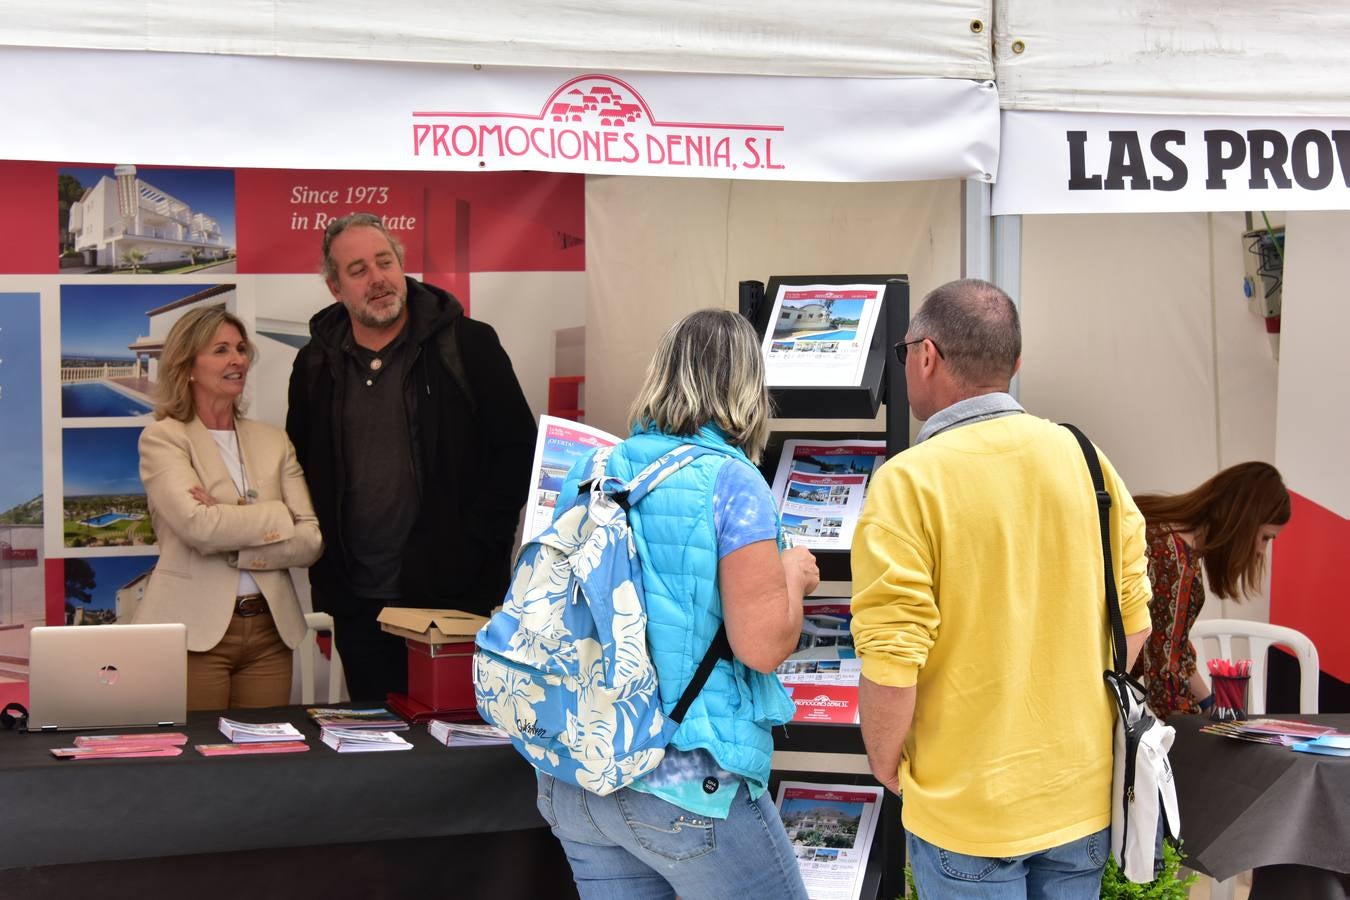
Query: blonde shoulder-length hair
(707,368)
(188,337)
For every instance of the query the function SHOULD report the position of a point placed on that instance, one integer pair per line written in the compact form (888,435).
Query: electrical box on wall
(1263,263)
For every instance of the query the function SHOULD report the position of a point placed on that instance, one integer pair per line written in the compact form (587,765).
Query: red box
(440,676)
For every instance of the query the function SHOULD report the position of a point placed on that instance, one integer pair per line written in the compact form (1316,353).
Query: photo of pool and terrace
(111,338)
(818,320)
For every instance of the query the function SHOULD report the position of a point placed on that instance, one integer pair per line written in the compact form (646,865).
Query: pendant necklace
(247,494)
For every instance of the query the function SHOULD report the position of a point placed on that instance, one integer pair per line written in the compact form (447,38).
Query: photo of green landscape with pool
(104,503)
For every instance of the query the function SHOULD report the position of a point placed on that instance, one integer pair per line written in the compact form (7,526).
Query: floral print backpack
(563,667)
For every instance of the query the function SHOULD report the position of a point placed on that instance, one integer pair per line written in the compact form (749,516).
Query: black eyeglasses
(902,348)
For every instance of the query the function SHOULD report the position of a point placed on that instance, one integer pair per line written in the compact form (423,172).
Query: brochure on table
(819,488)
(560,444)
(819,334)
(831,827)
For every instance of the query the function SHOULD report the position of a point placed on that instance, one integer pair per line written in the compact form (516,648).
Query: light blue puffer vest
(677,543)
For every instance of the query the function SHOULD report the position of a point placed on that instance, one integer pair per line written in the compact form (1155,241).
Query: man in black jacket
(416,442)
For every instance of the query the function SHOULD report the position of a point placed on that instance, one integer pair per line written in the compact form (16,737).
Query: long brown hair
(1226,514)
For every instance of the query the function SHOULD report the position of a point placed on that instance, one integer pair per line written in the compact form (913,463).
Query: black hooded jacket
(471,454)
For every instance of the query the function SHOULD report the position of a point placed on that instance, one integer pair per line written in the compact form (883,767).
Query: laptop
(107,676)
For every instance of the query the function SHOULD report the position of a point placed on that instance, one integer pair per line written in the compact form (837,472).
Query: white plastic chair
(1259,635)
(309,652)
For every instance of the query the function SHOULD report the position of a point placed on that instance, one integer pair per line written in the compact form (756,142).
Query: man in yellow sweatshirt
(979,614)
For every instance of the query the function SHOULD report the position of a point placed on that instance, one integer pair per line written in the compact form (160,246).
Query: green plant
(1167,886)
(1115,886)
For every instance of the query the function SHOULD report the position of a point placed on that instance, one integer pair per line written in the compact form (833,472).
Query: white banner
(269,112)
(1096,163)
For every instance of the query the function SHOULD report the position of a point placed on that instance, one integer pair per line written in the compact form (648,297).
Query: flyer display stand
(827,347)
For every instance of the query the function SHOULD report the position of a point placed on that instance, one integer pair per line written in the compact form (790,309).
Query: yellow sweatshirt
(977,575)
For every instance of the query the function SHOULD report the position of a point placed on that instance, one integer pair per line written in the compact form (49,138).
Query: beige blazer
(202,548)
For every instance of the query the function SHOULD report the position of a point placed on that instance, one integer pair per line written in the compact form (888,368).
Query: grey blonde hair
(707,368)
(188,337)
(975,324)
(339,225)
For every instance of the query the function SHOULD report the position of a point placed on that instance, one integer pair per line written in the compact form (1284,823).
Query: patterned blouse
(1168,660)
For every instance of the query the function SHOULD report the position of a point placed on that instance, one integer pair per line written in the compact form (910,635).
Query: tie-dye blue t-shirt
(743,513)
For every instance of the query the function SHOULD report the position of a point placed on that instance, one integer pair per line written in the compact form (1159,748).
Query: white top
(228,442)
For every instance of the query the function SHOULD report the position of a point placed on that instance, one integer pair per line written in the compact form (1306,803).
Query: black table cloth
(273,821)
(1247,806)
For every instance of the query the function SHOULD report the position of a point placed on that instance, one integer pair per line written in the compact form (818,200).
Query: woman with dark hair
(232,515)
(701,824)
(1222,526)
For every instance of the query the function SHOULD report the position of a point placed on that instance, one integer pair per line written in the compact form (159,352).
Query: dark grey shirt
(380,503)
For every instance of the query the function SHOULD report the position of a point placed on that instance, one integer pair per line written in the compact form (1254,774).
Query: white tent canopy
(894,38)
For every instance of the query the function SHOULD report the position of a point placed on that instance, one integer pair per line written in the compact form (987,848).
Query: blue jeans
(635,846)
(1071,871)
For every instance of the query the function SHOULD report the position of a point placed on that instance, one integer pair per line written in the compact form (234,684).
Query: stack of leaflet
(465,734)
(122,746)
(377,718)
(1282,732)
(249,738)
(363,740)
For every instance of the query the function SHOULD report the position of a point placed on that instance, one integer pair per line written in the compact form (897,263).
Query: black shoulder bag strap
(1104,520)
(1118,682)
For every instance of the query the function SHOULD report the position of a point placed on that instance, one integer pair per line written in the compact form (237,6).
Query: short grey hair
(339,225)
(707,369)
(976,327)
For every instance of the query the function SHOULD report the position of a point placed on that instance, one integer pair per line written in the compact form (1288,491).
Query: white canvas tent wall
(1171,350)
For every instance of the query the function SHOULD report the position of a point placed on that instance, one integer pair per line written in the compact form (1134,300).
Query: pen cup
(1230,697)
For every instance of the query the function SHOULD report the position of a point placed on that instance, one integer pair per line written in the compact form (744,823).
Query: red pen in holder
(1229,681)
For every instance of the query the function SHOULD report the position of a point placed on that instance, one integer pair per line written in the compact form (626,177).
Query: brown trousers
(250,668)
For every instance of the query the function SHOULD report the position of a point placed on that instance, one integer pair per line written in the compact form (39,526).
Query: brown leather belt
(250,605)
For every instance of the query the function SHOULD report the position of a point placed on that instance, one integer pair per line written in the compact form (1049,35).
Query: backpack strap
(452,360)
(640,486)
(719,649)
(1104,522)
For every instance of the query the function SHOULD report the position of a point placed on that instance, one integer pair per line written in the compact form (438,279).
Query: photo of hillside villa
(821,823)
(104,503)
(166,220)
(111,339)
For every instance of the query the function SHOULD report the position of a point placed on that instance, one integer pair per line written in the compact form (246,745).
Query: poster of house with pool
(820,334)
(112,336)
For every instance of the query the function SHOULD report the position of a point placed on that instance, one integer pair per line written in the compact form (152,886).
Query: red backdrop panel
(1310,583)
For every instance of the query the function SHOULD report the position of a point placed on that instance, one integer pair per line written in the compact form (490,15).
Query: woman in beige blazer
(232,514)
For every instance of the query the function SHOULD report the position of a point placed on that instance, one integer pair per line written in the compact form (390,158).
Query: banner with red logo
(276,113)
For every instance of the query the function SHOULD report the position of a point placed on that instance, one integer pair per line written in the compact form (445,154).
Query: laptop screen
(107,676)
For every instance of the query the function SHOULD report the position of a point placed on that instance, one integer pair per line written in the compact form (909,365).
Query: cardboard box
(440,653)
(430,626)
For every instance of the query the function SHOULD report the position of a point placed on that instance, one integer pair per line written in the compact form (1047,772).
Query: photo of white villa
(124,222)
(806,317)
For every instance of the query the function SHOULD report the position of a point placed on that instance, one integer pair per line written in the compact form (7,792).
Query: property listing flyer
(560,444)
(820,334)
(819,486)
(824,653)
(831,827)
